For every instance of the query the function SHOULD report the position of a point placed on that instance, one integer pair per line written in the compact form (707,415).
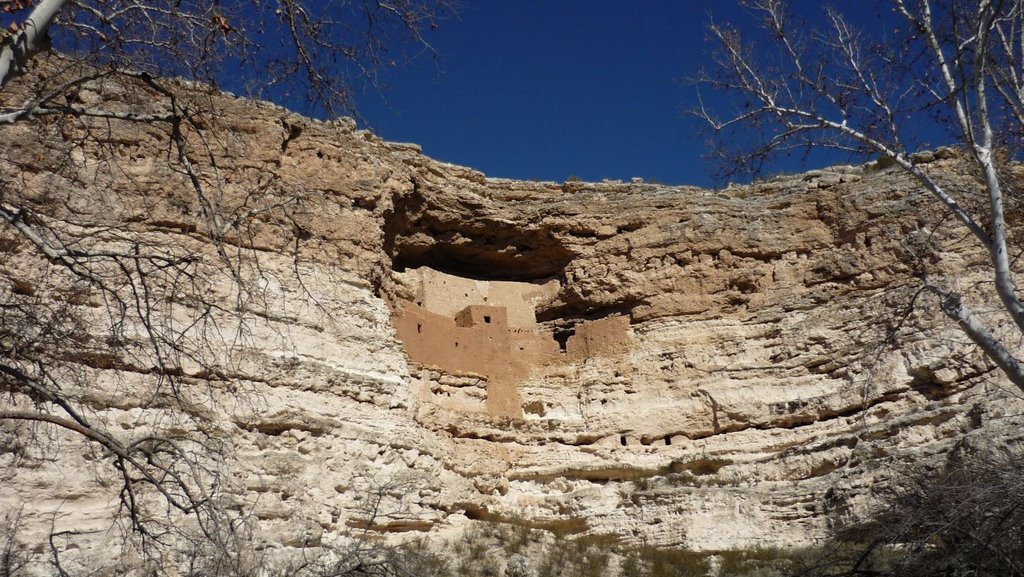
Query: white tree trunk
(955,309)
(30,40)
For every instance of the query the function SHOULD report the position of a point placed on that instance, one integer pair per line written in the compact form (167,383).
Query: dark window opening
(487,319)
(668,441)
(562,336)
(419,328)
(456,344)
(622,440)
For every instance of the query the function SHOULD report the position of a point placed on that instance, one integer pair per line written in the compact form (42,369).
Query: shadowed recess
(467,242)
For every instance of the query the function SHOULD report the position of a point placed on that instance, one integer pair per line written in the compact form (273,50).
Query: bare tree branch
(842,105)
(90,298)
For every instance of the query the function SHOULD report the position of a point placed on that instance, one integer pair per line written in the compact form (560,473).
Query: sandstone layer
(680,367)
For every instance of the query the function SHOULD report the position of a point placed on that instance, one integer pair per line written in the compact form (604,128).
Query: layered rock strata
(681,367)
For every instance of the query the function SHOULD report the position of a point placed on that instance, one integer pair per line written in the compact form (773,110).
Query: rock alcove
(468,293)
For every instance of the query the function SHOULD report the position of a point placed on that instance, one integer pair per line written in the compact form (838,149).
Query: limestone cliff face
(682,367)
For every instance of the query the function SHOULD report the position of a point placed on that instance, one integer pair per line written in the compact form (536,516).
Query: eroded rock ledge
(675,366)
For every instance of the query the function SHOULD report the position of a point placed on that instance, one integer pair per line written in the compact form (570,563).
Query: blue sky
(549,89)
(538,89)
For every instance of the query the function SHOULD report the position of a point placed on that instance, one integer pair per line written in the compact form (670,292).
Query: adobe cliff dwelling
(489,328)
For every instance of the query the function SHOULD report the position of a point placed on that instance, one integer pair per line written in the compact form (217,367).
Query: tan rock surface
(697,368)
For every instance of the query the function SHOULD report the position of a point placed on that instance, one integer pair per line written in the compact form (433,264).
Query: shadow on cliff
(465,237)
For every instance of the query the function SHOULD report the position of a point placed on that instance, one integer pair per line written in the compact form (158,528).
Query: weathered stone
(675,366)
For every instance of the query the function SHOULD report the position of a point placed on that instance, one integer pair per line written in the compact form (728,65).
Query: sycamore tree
(951,70)
(86,291)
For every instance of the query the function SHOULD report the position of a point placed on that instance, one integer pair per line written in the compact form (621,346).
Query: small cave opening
(927,383)
(622,440)
(668,441)
(535,408)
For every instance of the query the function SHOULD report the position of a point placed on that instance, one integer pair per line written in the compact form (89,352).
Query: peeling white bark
(30,40)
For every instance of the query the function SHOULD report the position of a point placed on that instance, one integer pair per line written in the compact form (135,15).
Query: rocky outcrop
(709,369)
